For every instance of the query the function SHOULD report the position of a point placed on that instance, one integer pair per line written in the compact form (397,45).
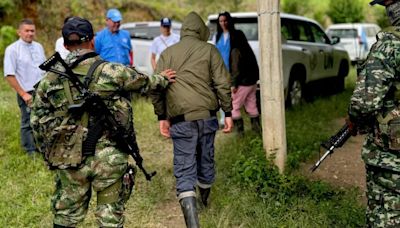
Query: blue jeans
(27,141)
(194,153)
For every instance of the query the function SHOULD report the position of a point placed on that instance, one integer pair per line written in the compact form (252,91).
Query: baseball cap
(380,2)
(114,15)
(166,22)
(79,26)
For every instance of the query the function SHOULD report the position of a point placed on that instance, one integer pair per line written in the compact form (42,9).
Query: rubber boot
(255,124)
(188,205)
(204,193)
(239,126)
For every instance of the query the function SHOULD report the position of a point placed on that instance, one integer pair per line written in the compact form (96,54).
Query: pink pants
(245,95)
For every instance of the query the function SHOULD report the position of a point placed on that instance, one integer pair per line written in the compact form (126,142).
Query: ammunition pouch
(387,132)
(65,149)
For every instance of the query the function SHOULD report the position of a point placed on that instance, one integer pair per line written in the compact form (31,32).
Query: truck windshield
(247,25)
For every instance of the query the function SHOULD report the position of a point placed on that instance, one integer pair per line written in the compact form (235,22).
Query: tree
(296,7)
(345,11)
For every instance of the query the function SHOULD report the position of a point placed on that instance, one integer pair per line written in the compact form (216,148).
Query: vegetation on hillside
(49,15)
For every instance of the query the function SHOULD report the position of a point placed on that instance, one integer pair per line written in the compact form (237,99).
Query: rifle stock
(334,142)
(94,105)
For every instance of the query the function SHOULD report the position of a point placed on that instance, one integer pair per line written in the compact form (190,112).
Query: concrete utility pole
(271,81)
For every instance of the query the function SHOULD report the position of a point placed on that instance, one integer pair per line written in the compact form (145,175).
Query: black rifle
(334,142)
(96,106)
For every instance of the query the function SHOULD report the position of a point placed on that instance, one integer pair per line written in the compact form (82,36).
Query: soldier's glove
(353,128)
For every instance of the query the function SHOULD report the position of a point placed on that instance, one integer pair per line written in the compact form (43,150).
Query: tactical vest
(68,141)
(387,132)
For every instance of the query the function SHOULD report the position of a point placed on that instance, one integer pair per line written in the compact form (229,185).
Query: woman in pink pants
(245,74)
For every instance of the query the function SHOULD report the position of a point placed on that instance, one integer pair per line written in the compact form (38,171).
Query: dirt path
(344,168)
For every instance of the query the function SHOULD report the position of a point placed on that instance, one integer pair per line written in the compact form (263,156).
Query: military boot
(188,205)
(255,124)
(239,126)
(204,193)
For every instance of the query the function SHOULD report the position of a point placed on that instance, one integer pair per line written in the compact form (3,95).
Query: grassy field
(248,191)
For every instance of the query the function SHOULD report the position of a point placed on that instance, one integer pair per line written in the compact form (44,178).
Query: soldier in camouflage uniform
(104,169)
(375,109)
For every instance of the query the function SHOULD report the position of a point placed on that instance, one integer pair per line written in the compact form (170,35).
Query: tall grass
(248,191)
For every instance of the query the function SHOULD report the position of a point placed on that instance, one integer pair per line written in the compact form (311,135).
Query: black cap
(380,2)
(79,26)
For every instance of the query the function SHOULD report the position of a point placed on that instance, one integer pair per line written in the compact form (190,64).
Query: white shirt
(161,42)
(22,60)
(60,48)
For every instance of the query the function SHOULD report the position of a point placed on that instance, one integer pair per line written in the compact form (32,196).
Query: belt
(181,118)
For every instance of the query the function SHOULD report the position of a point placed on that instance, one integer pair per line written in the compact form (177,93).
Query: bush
(259,174)
(8,35)
(344,11)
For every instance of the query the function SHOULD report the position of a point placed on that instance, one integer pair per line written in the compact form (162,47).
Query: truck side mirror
(335,40)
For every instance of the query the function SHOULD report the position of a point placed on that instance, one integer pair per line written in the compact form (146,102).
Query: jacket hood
(194,26)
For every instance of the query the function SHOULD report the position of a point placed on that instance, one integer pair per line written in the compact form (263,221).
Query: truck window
(248,26)
(343,33)
(319,35)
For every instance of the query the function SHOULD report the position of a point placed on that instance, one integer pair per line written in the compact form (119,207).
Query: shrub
(8,34)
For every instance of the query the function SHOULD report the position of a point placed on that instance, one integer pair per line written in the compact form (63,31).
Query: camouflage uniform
(104,170)
(375,109)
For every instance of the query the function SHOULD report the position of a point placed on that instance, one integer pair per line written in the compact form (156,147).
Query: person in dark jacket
(245,74)
(187,111)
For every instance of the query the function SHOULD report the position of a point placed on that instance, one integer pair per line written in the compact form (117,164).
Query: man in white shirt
(60,48)
(161,42)
(21,70)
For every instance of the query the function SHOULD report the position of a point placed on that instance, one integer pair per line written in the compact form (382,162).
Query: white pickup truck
(308,54)
(142,35)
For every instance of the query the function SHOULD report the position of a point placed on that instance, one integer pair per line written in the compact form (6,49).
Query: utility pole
(271,81)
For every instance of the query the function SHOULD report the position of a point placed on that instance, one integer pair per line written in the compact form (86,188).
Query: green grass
(248,191)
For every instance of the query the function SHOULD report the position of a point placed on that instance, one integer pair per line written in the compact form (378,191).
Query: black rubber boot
(188,205)
(239,126)
(255,124)
(204,193)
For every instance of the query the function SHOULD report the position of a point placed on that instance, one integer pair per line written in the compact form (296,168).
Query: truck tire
(295,92)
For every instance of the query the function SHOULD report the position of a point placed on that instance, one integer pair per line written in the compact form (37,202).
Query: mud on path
(344,168)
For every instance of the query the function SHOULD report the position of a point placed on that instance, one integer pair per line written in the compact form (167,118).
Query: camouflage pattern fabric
(71,198)
(374,96)
(113,82)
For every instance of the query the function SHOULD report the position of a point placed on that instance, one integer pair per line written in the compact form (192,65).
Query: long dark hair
(231,25)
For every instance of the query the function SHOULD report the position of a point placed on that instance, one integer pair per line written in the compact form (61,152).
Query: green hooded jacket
(202,81)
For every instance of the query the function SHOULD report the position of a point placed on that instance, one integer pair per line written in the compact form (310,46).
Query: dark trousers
(194,153)
(27,141)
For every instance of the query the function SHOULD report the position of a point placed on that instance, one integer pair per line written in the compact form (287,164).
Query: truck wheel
(295,92)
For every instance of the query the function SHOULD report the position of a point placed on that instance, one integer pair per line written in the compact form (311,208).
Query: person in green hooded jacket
(187,110)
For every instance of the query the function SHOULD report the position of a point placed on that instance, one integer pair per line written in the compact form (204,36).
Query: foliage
(252,170)
(381,17)
(250,192)
(7,35)
(296,7)
(344,11)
